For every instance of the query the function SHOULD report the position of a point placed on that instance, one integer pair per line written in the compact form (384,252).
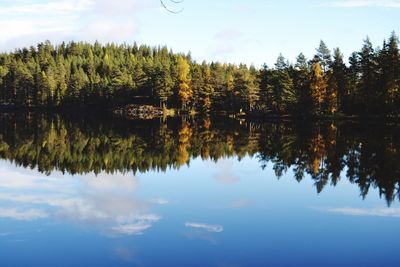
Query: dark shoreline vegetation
(75,76)
(367,154)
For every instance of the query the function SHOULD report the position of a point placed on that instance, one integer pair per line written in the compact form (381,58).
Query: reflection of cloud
(208,227)
(130,229)
(225,174)
(201,235)
(135,225)
(380,212)
(365,3)
(159,201)
(241,203)
(105,202)
(22,215)
(124,254)
(5,234)
(227,178)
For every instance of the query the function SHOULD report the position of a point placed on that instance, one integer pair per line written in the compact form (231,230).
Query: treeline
(368,155)
(85,75)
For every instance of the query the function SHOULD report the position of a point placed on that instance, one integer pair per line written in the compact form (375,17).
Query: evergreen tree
(369,96)
(324,56)
(390,69)
(301,82)
(284,94)
(338,78)
(103,76)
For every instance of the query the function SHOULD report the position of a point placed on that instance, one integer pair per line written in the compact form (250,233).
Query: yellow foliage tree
(185,133)
(318,87)
(184,89)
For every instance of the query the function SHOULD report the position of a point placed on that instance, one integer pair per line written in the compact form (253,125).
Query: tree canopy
(81,75)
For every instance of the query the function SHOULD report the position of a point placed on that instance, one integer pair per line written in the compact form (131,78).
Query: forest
(367,154)
(82,75)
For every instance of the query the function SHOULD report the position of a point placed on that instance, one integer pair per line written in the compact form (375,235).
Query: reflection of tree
(185,133)
(369,154)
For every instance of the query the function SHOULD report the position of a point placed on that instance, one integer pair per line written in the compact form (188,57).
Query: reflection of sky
(106,202)
(228,213)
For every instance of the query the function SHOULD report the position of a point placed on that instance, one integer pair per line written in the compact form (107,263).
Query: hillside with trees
(82,75)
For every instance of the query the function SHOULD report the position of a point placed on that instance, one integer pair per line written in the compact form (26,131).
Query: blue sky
(251,31)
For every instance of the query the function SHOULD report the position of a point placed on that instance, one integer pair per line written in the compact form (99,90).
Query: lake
(198,192)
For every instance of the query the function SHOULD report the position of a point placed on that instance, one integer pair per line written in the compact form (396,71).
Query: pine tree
(246,87)
(301,82)
(163,83)
(3,83)
(332,93)
(197,84)
(324,56)
(353,95)
(368,66)
(284,94)
(390,65)
(338,78)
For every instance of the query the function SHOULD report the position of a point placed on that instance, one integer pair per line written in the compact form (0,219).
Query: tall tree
(184,90)
(324,56)
(301,80)
(338,77)
(284,94)
(368,66)
(390,69)
(318,88)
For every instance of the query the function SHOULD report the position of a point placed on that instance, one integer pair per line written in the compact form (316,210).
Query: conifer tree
(184,90)
(324,56)
(318,88)
(338,77)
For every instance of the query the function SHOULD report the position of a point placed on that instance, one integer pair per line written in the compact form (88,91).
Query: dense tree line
(367,154)
(84,75)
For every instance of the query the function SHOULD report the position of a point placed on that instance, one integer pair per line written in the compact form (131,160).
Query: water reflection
(103,202)
(368,154)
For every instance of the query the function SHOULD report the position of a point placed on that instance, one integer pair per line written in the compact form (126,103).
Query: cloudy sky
(251,31)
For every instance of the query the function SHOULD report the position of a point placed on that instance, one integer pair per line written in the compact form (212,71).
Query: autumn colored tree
(318,88)
(185,92)
(80,75)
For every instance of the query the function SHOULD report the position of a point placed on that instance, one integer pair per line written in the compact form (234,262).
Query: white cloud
(379,212)
(228,35)
(225,44)
(365,3)
(208,227)
(27,23)
(54,8)
(22,215)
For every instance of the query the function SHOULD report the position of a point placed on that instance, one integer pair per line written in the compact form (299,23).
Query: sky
(237,31)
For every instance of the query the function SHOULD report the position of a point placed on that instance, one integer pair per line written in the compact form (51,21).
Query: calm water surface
(195,192)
